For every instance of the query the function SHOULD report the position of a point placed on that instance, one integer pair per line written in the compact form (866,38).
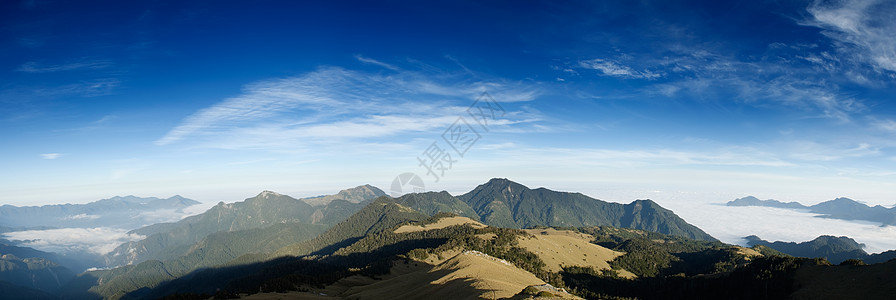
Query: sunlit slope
(560,248)
(441,223)
(468,275)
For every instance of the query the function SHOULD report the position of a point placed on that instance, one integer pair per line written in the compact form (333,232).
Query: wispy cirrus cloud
(885,125)
(703,75)
(616,69)
(817,98)
(36,67)
(861,29)
(336,103)
(83,88)
(815,151)
(376,62)
(51,155)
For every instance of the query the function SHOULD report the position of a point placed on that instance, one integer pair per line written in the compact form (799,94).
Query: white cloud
(51,155)
(376,62)
(803,93)
(723,78)
(886,125)
(862,29)
(99,240)
(336,104)
(814,151)
(82,217)
(732,224)
(705,75)
(616,69)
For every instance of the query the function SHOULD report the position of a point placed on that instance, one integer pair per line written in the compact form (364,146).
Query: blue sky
(620,100)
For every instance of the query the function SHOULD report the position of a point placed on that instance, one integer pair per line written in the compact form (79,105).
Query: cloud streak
(615,69)
(861,29)
(376,62)
(334,103)
(51,155)
(35,67)
(704,75)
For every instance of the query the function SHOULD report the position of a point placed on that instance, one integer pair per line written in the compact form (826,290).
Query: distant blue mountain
(753,201)
(840,208)
(126,212)
(834,249)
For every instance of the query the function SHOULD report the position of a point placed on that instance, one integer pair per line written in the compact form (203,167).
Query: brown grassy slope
(441,223)
(468,275)
(559,248)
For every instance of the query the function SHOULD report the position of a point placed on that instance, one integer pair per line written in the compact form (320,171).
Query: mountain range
(167,241)
(840,208)
(389,250)
(501,239)
(504,203)
(354,195)
(269,222)
(834,249)
(126,212)
(500,202)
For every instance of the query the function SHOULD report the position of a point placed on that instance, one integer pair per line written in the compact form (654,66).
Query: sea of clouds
(97,240)
(731,224)
(100,240)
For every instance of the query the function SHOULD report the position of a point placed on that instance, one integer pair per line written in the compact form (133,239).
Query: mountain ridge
(503,203)
(356,194)
(118,212)
(834,249)
(167,241)
(366,242)
(840,208)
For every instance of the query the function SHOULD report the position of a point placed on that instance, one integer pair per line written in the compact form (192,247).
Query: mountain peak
(502,184)
(356,194)
(268,194)
(504,203)
(844,199)
(129,199)
(362,189)
(839,204)
(753,201)
(645,203)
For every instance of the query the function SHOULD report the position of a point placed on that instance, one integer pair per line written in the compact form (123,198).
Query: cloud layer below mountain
(100,240)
